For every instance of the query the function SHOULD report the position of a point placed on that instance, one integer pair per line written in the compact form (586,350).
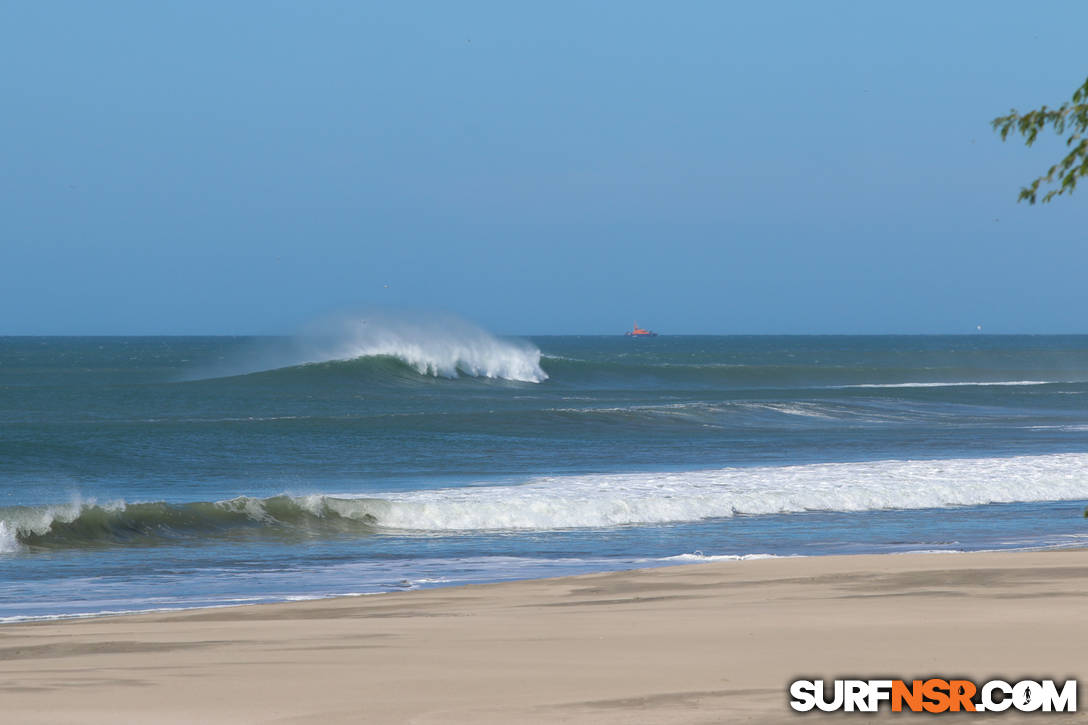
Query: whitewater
(438,345)
(381,451)
(579,501)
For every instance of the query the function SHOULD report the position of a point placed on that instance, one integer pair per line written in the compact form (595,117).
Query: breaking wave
(79,523)
(564,502)
(652,498)
(435,345)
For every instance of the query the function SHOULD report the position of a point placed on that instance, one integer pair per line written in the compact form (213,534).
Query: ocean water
(377,455)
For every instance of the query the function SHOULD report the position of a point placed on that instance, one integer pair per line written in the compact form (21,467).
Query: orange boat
(639,332)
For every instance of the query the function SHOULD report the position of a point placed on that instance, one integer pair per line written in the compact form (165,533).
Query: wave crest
(436,345)
(88,523)
(564,502)
(445,348)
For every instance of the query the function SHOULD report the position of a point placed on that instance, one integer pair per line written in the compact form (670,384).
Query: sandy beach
(705,643)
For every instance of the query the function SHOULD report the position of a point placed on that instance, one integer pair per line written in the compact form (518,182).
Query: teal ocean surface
(168,472)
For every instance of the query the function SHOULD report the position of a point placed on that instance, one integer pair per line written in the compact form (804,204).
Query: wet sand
(705,643)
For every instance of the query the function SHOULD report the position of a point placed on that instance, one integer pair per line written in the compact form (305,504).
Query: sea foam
(589,501)
(571,502)
(9,541)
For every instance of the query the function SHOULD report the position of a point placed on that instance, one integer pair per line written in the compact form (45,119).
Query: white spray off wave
(647,498)
(9,541)
(437,345)
(22,520)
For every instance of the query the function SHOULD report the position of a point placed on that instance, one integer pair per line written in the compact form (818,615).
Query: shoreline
(697,560)
(704,642)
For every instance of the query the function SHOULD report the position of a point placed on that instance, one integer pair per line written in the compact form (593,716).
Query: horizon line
(977,333)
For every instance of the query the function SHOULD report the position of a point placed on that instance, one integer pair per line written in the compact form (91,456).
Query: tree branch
(1072,115)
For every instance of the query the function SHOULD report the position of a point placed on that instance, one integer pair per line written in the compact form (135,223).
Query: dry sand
(707,643)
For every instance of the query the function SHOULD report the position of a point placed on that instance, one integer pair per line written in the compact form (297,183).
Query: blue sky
(781,167)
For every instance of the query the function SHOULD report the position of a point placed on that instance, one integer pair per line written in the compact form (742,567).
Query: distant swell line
(818,377)
(971,383)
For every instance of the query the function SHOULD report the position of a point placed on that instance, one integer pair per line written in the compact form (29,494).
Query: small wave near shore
(564,502)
